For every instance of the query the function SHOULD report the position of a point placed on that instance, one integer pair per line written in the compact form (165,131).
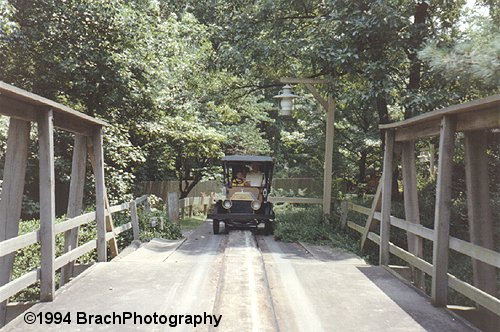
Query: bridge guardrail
(13,244)
(487,256)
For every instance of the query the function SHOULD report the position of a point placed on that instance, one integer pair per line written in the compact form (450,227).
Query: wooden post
(479,210)
(370,222)
(135,219)
(12,194)
(439,291)
(173,206)
(100,195)
(147,206)
(412,214)
(113,247)
(47,205)
(75,200)
(327,176)
(386,198)
(329,106)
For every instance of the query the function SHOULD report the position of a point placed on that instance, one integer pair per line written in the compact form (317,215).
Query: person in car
(239,177)
(255,177)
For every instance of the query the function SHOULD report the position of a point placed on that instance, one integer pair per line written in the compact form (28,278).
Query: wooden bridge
(254,282)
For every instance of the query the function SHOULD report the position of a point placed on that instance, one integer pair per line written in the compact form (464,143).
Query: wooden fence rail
(204,203)
(11,245)
(488,256)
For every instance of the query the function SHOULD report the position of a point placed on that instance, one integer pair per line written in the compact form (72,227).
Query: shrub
(307,224)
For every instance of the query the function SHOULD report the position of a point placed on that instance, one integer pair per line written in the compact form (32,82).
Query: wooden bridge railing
(474,251)
(13,244)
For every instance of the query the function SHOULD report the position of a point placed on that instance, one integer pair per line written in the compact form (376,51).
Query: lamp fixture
(286,97)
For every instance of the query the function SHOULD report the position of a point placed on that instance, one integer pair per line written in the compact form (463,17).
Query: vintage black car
(247,184)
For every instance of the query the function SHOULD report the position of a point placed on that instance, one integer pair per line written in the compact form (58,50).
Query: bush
(307,224)
(147,231)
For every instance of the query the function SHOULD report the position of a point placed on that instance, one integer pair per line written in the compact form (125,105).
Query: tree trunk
(415,43)
(362,166)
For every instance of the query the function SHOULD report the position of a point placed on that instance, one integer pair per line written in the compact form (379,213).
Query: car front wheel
(269,227)
(215,225)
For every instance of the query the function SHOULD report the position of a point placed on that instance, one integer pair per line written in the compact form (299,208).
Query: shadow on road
(413,302)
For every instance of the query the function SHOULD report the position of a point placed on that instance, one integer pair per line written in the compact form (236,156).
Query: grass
(192,222)
(306,224)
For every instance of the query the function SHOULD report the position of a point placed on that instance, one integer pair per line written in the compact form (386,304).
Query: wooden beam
(479,209)
(135,219)
(17,110)
(322,101)
(439,291)
(480,119)
(47,205)
(75,200)
(14,173)
(294,80)
(173,206)
(370,224)
(327,174)
(113,246)
(385,224)
(100,194)
(421,130)
(295,200)
(412,214)
(19,284)
(41,103)
(491,102)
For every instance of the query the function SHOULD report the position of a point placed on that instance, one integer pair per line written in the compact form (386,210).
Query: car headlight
(227,204)
(255,205)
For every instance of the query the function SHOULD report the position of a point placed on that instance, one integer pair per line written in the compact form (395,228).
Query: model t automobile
(247,184)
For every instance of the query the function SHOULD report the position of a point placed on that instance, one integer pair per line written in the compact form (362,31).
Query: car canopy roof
(251,159)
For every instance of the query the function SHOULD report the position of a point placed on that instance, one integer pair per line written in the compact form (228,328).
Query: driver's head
(255,167)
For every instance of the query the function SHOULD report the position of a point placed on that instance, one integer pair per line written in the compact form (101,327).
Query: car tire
(269,227)
(215,225)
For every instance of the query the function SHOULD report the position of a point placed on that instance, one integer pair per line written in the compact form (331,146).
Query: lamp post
(287,101)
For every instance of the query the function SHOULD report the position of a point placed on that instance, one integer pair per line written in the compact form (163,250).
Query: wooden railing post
(412,214)
(100,194)
(12,194)
(135,219)
(370,223)
(385,224)
(75,200)
(439,291)
(173,206)
(47,205)
(327,174)
(479,212)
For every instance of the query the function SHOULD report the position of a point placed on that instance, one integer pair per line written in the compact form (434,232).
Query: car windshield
(247,174)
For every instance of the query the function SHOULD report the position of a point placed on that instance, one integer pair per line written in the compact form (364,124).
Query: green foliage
(28,258)
(471,60)
(306,224)
(148,231)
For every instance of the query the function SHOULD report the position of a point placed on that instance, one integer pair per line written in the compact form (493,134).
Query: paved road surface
(240,282)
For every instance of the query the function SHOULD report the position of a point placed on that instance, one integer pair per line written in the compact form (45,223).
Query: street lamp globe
(286,97)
